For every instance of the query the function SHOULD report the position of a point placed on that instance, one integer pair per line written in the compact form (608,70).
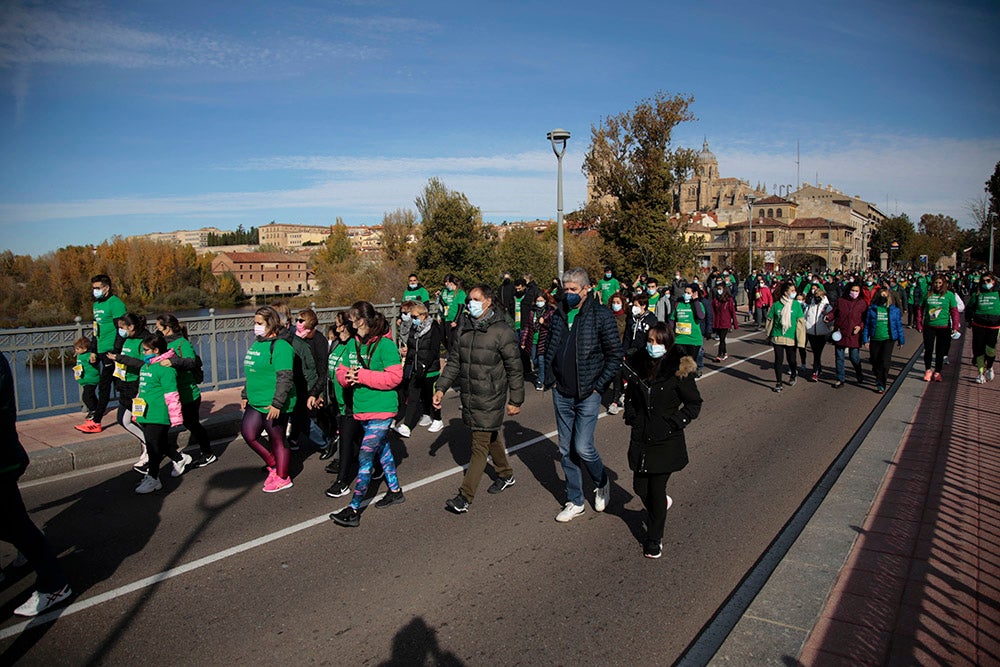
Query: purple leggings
(278,455)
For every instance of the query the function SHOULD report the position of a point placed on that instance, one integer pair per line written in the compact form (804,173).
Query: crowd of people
(627,346)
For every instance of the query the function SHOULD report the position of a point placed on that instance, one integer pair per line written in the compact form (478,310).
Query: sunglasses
(301,321)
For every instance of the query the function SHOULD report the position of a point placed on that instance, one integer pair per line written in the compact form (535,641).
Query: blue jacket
(895,325)
(598,348)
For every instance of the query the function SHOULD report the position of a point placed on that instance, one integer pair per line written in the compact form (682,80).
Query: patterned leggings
(375,443)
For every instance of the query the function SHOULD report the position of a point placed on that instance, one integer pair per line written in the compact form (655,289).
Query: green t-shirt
(937,309)
(687,331)
(132,347)
(881,323)
(261,365)
(155,382)
(341,354)
(453,302)
(420,294)
(106,312)
(653,300)
(987,303)
(376,356)
(775,315)
(570,316)
(186,385)
(606,287)
(85,372)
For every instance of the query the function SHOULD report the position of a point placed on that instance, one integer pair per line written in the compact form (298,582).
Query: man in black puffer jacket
(582,358)
(486,363)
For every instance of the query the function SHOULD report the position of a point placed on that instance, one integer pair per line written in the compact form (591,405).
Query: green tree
(523,251)
(398,228)
(633,170)
(229,291)
(453,238)
(899,229)
(338,246)
(943,232)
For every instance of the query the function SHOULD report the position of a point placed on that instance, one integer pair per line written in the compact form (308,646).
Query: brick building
(266,273)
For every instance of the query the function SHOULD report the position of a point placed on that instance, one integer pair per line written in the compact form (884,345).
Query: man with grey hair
(584,353)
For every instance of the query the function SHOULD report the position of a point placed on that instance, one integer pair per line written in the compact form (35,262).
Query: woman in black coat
(660,401)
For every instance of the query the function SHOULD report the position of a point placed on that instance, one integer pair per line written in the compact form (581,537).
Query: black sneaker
(337,490)
(347,517)
(391,498)
(141,469)
(458,504)
(651,549)
(333,467)
(500,484)
(791,382)
(204,460)
(777,388)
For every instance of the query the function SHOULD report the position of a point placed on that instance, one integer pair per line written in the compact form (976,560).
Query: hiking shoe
(652,549)
(148,485)
(402,429)
(777,388)
(39,602)
(602,494)
(928,375)
(425,420)
(347,517)
(458,504)
(435,426)
(180,466)
(275,483)
(569,512)
(981,378)
(937,377)
(333,467)
(500,484)
(391,498)
(614,409)
(204,460)
(337,490)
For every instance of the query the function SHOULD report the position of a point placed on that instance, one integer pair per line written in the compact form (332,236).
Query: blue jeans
(855,360)
(576,421)
(538,361)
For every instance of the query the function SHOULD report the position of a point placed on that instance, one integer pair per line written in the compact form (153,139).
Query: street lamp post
(993,217)
(750,200)
(829,243)
(559,137)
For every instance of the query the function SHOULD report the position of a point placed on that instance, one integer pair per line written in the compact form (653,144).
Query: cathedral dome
(706,156)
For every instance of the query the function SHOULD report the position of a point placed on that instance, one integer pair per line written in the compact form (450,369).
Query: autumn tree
(942,231)
(398,230)
(634,170)
(523,251)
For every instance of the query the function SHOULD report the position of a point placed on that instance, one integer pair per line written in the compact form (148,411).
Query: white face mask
(259,329)
(122,332)
(539,304)
(413,285)
(98,293)
(637,311)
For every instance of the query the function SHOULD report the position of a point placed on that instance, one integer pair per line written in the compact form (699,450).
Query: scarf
(423,327)
(786,313)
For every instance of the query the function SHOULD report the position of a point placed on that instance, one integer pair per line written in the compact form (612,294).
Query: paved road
(504,584)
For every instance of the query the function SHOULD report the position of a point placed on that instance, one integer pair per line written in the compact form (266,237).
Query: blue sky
(141,116)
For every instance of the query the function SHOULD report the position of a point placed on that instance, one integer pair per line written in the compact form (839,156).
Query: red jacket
(724,314)
(848,314)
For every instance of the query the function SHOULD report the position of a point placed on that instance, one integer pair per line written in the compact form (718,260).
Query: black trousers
(158,446)
(817,343)
(351,433)
(103,386)
(89,399)
(652,491)
(784,354)
(937,342)
(881,353)
(984,346)
(17,528)
(419,392)
(191,413)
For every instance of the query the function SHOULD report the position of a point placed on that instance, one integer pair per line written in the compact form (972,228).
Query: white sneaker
(148,485)
(670,502)
(613,409)
(602,495)
(180,466)
(570,511)
(435,426)
(989,375)
(403,430)
(425,421)
(946,360)
(143,458)
(981,379)
(39,602)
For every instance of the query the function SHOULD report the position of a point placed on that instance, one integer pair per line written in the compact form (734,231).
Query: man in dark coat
(583,357)
(16,526)
(486,364)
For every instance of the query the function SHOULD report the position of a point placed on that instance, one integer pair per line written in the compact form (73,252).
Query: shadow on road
(416,643)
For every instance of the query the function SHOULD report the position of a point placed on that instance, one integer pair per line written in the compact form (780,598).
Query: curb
(114,448)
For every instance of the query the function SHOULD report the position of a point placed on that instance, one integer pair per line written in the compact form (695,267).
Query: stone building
(862,216)
(287,237)
(271,274)
(196,238)
(707,190)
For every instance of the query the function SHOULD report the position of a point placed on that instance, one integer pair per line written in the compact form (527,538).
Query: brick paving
(922,583)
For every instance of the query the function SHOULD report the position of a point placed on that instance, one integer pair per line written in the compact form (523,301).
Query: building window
(824,235)
(761,214)
(769,237)
(770,212)
(800,236)
(779,213)
(753,237)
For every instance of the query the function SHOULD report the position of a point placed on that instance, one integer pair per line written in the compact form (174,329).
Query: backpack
(199,370)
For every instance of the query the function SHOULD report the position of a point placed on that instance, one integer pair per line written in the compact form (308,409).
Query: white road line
(146,582)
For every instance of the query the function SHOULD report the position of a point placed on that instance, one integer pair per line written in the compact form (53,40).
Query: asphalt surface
(503,584)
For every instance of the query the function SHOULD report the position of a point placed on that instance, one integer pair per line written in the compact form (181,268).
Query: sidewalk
(900,565)
(55,447)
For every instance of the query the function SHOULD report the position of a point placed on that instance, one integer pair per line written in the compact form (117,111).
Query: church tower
(706,171)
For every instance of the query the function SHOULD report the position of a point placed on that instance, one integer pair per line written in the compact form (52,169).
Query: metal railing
(42,358)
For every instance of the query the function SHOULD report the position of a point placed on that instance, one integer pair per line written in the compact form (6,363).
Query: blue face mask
(616,307)
(572,300)
(122,332)
(655,351)
(148,356)
(687,298)
(476,309)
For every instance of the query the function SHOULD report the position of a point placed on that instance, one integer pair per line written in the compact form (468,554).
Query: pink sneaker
(275,483)
(937,377)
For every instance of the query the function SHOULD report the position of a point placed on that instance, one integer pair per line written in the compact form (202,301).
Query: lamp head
(557,134)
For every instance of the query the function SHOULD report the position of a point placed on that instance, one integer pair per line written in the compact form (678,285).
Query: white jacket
(814,313)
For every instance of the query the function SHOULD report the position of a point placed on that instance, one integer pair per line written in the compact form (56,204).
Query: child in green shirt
(88,374)
(156,408)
